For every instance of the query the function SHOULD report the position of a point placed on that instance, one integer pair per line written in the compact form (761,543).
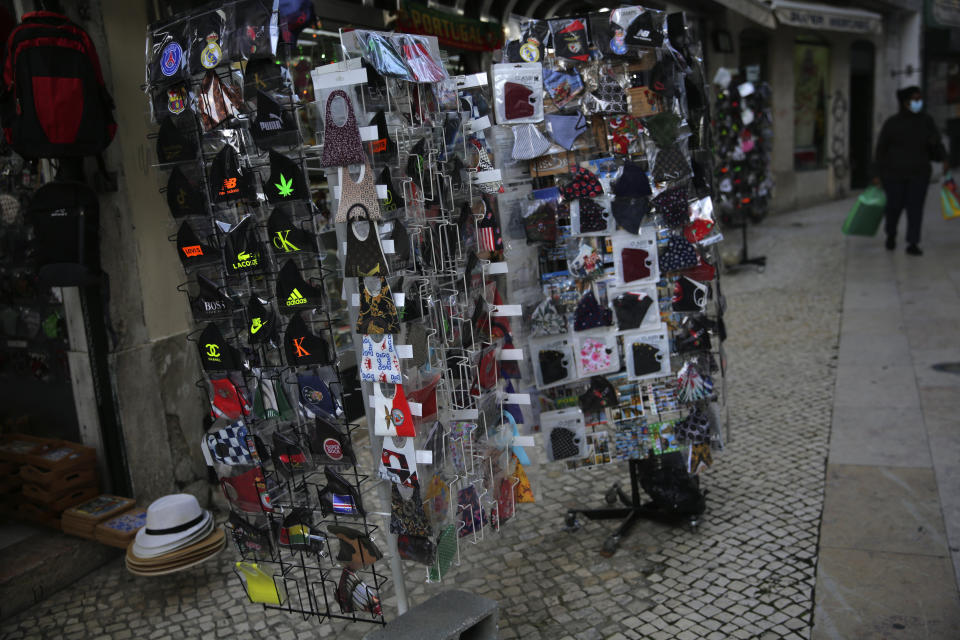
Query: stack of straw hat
(178,534)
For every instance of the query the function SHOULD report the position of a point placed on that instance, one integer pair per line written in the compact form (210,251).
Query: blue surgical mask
(916,105)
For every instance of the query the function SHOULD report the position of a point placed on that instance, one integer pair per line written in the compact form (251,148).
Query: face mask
(270,400)
(633,182)
(636,264)
(378,313)
(316,399)
(273,126)
(564,443)
(242,246)
(592,216)
(329,445)
(215,353)
(589,314)
(672,204)
(286,181)
(916,105)
(566,129)
(175,144)
(517,101)
(229,181)
(678,255)
(631,309)
(262,327)
(562,85)
(646,359)
(546,320)
(601,393)
(192,252)
(303,348)
(210,302)
(293,292)
(228,401)
(339,496)
(528,142)
(341,143)
(553,366)
(288,456)
(630,212)
(689,295)
(183,196)
(284,236)
(541,225)
(584,185)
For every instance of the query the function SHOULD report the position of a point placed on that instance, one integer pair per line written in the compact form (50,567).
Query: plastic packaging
(518,92)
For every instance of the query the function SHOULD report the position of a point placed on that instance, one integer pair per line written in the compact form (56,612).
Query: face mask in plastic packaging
(381,53)
(419,59)
(518,92)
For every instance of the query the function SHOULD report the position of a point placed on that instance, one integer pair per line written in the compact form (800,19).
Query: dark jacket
(907,144)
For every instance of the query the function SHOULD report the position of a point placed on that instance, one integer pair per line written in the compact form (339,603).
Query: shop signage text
(449,28)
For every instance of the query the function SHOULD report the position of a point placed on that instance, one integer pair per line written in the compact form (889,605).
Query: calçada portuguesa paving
(829,352)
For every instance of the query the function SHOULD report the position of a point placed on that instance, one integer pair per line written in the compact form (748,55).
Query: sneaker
(891,243)
(914,250)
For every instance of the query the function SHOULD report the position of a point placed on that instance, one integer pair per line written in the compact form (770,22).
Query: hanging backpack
(66,221)
(54,103)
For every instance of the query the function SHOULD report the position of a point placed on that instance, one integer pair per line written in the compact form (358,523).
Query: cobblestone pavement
(747,572)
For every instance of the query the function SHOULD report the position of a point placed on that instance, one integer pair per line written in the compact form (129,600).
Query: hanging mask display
(341,142)
(302,347)
(293,292)
(207,46)
(184,196)
(570,39)
(273,126)
(286,181)
(285,237)
(218,101)
(229,179)
(378,313)
(176,140)
(565,129)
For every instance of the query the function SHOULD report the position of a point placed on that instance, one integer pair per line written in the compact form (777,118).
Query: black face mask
(645,358)
(329,445)
(288,456)
(183,196)
(215,353)
(286,182)
(592,216)
(285,237)
(303,348)
(273,126)
(249,536)
(643,32)
(633,182)
(261,75)
(598,395)
(168,53)
(263,321)
(383,146)
(210,302)
(394,198)
(173,100)
(553,366)
(253,24)
(689,295)
(193,253)
(229,181)
(631,309)
(339,496)
(176,141)
(207,46)
(243,248)
(295,293)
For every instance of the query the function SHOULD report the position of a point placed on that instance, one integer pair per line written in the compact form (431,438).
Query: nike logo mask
(262,325)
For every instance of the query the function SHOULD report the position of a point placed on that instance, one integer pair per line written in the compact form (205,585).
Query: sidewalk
(890,537)
(760,560)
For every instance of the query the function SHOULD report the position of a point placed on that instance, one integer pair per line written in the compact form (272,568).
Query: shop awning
(755,10)
(808,15)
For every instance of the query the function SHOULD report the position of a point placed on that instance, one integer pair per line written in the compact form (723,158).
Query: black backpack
(66,220)
(54,102)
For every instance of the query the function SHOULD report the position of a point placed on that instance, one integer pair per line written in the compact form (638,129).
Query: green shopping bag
(950,199)
(867,213)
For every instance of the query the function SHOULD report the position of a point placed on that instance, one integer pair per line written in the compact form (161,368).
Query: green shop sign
(450,29)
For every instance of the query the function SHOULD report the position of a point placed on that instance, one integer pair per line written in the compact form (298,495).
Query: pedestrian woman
(908,142)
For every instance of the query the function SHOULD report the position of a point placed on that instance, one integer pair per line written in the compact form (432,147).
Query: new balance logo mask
(228,179)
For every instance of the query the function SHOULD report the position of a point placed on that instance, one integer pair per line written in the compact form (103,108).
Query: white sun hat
(172,521)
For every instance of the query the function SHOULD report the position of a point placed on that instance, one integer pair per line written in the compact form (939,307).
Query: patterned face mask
(528,142)
(670,165)
(541,225)
(598,395)
(341,143)
(329,445)
(610,93)
(484,164)
(378,313)
(689,295)
(593,217)
(339,496)
(584,185)
(562,85)
(678,255)
(546,320)
(229,445)
(589,314)
(564,443)
(673,206)
(215,353)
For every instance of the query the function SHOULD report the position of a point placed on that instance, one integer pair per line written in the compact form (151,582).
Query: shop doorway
(862,56)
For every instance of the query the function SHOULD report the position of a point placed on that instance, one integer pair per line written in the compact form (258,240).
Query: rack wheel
(611,495)
(570,522)
(694,524)
(610,546)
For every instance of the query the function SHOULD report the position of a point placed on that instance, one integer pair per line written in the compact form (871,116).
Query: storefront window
(811,77)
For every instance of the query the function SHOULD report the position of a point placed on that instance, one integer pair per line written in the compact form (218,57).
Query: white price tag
(355,300)
(524,441)
(465,414)
(507,310)
(424,456)
(382,191)
(481,177)
(511,354)
(416,408)
(494,268)
(516,398)
(706,242)
(336,79)
(368,134)
(399,298)
(404,351)
(387,246)
(479,124)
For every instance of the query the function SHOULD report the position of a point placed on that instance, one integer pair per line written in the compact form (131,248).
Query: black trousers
(909,194)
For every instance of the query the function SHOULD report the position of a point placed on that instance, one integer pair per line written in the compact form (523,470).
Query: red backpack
(54,103)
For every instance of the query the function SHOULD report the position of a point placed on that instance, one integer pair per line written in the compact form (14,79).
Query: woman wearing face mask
(908,142)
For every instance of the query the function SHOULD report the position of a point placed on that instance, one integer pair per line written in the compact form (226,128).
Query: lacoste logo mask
(242,245)
(286,181)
